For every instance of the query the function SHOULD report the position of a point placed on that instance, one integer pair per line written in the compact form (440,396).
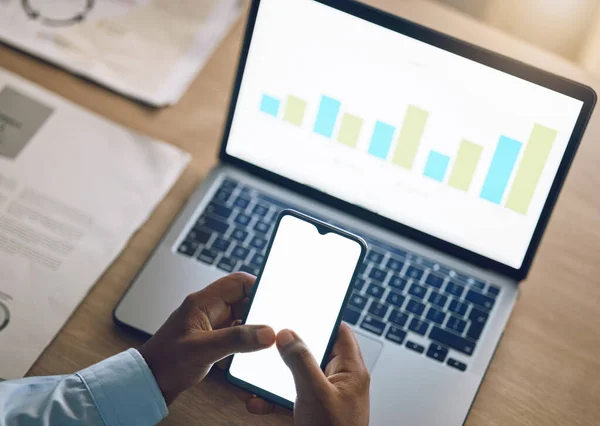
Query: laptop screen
(427,138)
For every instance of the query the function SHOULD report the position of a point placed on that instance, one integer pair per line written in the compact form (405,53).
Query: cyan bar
(501,169)
(437,165)
(381,140)
(327,116)
(270,105)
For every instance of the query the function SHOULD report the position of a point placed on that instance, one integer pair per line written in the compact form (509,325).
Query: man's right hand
(340,397)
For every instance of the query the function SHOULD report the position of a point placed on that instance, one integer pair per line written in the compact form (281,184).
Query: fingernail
(285,337)
(265,336)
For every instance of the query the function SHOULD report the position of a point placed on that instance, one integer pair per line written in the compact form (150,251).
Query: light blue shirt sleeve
(118,391)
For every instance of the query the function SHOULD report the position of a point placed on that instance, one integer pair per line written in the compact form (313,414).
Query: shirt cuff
(125,391)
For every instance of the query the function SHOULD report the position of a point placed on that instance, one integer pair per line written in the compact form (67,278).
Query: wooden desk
(547,368)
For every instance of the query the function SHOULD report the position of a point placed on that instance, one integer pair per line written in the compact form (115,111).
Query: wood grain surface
(547,368)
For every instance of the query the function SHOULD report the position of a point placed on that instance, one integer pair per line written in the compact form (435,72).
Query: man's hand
(340,397)
(200,333)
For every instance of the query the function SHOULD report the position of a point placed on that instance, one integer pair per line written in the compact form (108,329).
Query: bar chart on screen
(510,178)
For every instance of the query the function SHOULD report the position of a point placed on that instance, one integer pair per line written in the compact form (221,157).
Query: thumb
(218,344)
(307,374)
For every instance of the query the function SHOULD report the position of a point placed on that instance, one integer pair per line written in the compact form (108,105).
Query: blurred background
(569,28)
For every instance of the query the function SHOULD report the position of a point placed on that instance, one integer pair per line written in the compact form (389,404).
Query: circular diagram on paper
(4,316)
(58,13)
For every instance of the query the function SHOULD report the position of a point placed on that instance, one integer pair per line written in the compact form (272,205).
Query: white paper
(150,50)
(73,190)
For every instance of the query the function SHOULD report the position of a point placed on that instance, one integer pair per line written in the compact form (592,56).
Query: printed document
(150,50)
(73,190)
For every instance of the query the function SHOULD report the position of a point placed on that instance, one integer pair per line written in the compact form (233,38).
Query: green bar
(350,130)
(410,136)
(530,170)
(465,165)
(294,110)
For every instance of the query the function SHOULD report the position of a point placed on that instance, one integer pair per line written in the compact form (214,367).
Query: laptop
(448,160)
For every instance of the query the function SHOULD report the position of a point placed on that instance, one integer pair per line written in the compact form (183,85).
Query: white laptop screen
(427,138)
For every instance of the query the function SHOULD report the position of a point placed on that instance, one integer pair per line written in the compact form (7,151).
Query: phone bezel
(323,228)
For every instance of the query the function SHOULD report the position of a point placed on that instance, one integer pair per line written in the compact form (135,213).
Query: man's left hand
(201,332)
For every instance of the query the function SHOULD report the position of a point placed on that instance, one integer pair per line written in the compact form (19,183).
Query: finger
(307,374)
(232,289)
(345,354)
(218,344)
(259,406)
(240,309)
(224,363)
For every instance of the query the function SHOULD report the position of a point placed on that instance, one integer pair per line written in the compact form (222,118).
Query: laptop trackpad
(370,349)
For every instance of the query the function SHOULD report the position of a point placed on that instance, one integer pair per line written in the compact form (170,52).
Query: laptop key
(359,284)
(414,273)
(249,270)
(478,319)
(375,256)
(493,291)
(258,243)
(239,235)
(378,309)
(457,364)
(358,301)
(260,210)
(378,275)
(415,347)
(258,260)
(396,335)
(214,224)
(375,291)
(398,318)
(187,248)
(438,299)
(417,291)
(435,315)
(226,264)
(452,340)
(222,195)
(398,283)
(240,252)
(373,325)
(418,326)
(480,299)
(243,219)
(476,283)
(478,316)
(437,352)
(218,209)
(415,307)
(262,227)
(457,307)
(200,236)
(395,299)
(221,245)
(456,324)
(434,280)
(241,202)
(454,289)
(395,265)
(229,184)
(207,256)
(351,316)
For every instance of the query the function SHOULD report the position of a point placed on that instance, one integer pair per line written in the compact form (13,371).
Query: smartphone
(303,286)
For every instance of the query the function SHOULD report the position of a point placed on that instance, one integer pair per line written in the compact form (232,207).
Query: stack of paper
(150,50)
(73,189)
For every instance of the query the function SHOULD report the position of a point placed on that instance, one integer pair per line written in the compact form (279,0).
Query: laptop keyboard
(399,296)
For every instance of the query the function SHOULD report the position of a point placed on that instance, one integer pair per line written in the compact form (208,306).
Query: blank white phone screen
(302,288)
